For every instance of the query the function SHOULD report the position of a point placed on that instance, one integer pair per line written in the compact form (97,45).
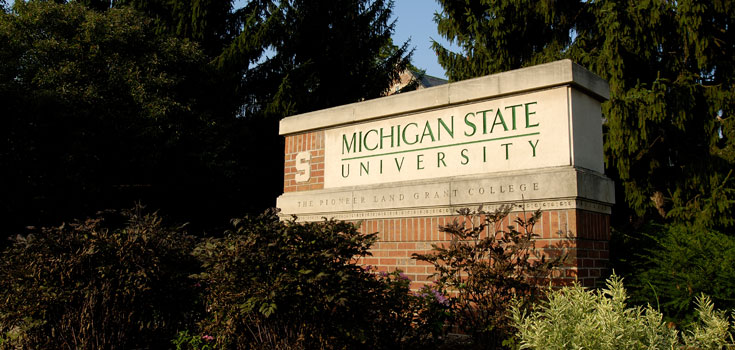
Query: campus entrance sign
(403,165)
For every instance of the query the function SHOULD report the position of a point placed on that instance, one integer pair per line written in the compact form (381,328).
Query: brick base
(585,236)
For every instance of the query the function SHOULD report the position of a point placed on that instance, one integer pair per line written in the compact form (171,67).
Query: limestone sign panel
(531,136)
(513,133)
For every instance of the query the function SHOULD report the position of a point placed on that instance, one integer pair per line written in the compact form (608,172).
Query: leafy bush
(97,284)
(186,341)
(683,263)
(485,267)
(273,284)
(576,318)
(405,319)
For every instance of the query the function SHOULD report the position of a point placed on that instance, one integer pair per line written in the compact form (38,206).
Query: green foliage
(232,39)
(669,122)
(484,267)
(97,284)
(100,111)
(186,341)
(406,319)
(671,82)
(327,53)
(431,316)
(576,318)
(172,103)
(712,331)
(281,284)
(682,263)
(495,36)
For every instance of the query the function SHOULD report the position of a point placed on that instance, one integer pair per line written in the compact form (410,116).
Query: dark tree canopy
(97,111)
(172,103)
(669,122)
(325,54)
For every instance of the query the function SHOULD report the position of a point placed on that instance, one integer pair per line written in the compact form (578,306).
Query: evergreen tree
(496,36)
(669,122)
(681,264)
(325,54)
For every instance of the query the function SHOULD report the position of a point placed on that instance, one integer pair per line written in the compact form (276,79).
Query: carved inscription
(478,193)
(452,210)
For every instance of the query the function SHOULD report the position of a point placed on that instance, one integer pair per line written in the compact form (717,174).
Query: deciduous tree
(98,111)
(171,102)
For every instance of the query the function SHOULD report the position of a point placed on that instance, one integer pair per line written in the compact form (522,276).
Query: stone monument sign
(402,165)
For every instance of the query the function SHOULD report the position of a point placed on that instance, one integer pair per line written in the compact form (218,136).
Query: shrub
(273,284)
(409,320)
(712,331)
(96,284)
(683,263)
(186,341)
(576,318)
(484,267)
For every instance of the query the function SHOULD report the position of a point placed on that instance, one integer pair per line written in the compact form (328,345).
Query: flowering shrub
(410,320)
(433,311)
(186,341)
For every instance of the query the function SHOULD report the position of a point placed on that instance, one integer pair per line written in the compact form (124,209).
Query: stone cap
(545,188)
(558,73)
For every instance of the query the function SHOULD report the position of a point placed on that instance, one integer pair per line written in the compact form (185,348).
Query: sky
(415,20)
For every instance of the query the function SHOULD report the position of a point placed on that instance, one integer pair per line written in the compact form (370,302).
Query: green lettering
(382,137)
(440,159)
(449,131)
(513,113)
(399,165)
(499,121)
(427,131)
(365,140)
(529,114)
(365,167)
(348,146)
(403,135)
(470,124)
(484,120)
(419,160)
(398,135)
(506,149)
(533,146)
(464,155)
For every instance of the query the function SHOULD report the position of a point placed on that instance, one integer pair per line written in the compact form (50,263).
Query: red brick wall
(314,143)
(399,238)
(587,247)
